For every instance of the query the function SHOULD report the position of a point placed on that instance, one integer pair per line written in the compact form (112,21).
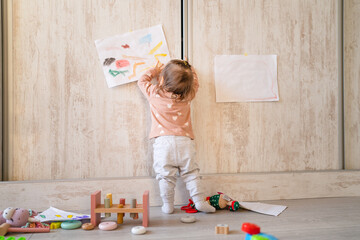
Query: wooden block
(109,196)
(122,201)
(120,216)
(133,205)
(55,225)
(4,228)
(107,205)
(145,206)
(222,229)
(126,209)
(29,230)
(95,201)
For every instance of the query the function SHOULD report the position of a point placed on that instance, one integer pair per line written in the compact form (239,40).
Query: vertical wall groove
(184,28)
(6,11)
(351,76)
(341,83)
(1,88)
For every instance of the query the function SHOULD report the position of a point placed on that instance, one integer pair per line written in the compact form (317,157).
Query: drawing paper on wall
(124,58)
(251,78)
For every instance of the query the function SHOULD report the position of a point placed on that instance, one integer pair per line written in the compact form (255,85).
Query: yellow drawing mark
(146,68)
(134,69)
(133,57)
(155,48)
(157,59)
(160,55)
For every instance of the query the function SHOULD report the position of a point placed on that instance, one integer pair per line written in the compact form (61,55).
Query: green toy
(222,201)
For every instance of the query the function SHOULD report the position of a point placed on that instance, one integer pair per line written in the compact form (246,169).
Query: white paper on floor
(264,208)
(54,214)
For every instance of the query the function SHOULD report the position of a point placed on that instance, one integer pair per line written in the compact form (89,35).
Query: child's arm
(144,82)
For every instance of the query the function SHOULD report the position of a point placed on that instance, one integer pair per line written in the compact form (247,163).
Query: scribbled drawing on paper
(246,78)
(159,55)
(133,57)
(108,61)
(114,73)
(155,48)
(134,69)
(122,63)
(145,39)
(54,214)
(121,55)
(157,59)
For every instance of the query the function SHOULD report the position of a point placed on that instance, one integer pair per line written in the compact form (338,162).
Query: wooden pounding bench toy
(134,209)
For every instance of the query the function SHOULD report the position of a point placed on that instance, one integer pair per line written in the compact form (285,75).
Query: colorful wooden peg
(107,205)
(122,201)
(109,196)
(120,216)
(133,205)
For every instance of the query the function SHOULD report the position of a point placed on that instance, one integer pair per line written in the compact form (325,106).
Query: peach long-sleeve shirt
(168,116)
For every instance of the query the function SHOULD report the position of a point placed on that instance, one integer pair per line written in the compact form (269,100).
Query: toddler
(174,147)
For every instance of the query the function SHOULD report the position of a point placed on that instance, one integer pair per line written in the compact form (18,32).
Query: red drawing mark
(125,46)
(134,69)
(122,63)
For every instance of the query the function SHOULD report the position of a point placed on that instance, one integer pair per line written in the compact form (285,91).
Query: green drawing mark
(115,73)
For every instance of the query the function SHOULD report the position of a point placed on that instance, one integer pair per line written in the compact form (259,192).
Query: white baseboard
(75,194)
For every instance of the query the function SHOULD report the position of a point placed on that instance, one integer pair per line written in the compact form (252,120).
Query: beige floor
(326,218)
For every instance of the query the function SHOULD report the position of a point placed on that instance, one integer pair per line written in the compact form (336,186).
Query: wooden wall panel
(352,83)
(300,132)
(64,121)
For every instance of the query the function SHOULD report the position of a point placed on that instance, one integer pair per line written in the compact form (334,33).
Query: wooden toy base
(97,208)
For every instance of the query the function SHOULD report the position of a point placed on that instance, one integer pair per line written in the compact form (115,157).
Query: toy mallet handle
(4,228)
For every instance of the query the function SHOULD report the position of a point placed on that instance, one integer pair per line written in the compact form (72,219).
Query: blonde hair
(178,80)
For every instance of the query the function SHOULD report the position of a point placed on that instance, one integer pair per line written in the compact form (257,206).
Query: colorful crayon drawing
(121,55)
(145,39)
(54,214)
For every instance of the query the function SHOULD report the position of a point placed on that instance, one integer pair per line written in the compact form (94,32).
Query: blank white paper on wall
(246,78)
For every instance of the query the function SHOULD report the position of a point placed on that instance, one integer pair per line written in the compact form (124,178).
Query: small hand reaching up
(159,67)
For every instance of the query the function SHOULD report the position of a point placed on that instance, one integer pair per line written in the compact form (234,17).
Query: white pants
(173,154)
